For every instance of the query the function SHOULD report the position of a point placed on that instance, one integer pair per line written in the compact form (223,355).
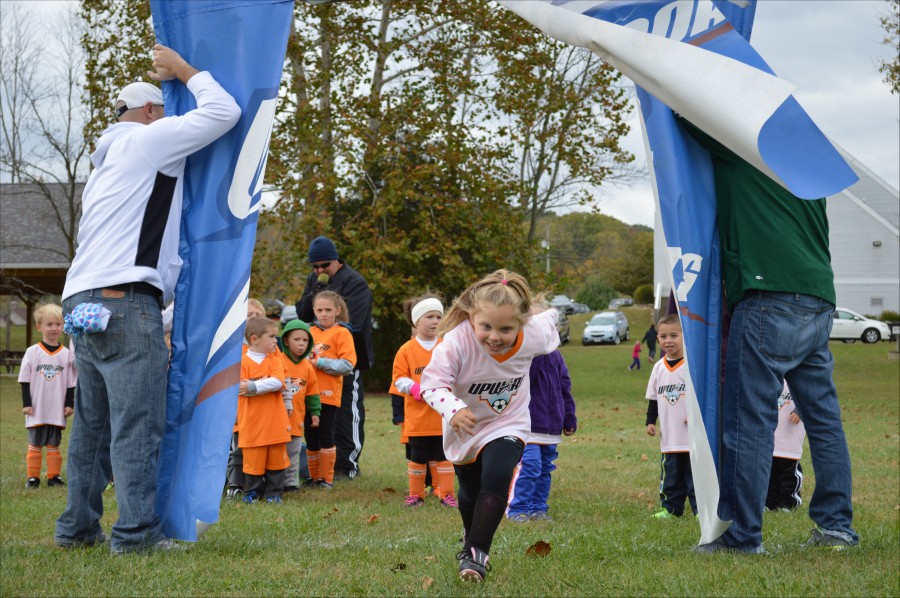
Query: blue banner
(242,44)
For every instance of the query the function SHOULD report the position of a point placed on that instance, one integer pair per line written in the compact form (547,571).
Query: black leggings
(323,436)
(484,489)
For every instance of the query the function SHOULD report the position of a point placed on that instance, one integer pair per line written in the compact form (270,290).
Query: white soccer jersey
(49,376)
(788,437)
(497,389)
(666,387)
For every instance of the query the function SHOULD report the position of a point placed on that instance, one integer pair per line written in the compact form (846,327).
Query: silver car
(606,327)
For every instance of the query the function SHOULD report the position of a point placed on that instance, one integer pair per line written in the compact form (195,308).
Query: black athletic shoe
(473,565)
(33,483)
(55,481)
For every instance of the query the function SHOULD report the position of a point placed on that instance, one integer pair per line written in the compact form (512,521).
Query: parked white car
(850,326)
(606,327)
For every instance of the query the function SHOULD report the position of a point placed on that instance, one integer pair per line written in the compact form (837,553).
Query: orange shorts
(270,457)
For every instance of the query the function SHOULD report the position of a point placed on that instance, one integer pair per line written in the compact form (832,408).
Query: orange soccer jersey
(302,380)
(418,418)
(262,419)
(333,343)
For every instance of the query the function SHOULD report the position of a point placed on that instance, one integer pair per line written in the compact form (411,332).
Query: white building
(865,245)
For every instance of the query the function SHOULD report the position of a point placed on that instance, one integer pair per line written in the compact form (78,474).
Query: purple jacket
(552,406)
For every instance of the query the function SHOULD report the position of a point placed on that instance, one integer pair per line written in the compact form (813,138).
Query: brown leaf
(389,490)
(426,583)
(372,520)
(431,558)
(539,548)
(644,457)
(398,567)
(330,513)
(615,408)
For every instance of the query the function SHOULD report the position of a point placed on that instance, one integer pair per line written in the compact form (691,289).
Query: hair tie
(504,281)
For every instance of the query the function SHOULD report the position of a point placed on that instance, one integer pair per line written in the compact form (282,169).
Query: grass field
(358,540)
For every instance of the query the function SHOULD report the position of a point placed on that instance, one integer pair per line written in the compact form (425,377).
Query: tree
(890,21)
(42,116)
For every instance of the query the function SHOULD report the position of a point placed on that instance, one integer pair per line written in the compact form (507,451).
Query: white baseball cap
(136,95)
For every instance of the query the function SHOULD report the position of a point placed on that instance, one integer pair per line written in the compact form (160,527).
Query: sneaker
(308,483)
(833,540)
(233,493)
(55,481)
(323,485)
(413,501)
(33,483)
(540,516)
(251,497)
(163,545)
(291,489)
(473,565)
(274,500)
(519,518)
(718,545)
(87,542)
(449,501)
(662,514)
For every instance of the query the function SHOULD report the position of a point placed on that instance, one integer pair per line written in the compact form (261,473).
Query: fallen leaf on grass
(539,548)
(642,494)
(330,513)
(426,583)
(644,457)
(615,408)
(389,490)
(430,558)
(398,567)
(372,520)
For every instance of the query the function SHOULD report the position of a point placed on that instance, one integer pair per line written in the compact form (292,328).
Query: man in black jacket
(331,273)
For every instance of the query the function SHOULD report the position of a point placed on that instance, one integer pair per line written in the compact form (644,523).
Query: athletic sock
(488,514)
(327,457)
(416,473)
(312,460)
(33,461)
(54,462)
(446,477)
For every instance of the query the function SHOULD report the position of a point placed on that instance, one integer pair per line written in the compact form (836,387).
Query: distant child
(478,380)
(48,378)
(234,473)
(422,424)
(635,356)
(263,413)
(334,357)
(665,399)
(301,385)
(552,414)
(786,477)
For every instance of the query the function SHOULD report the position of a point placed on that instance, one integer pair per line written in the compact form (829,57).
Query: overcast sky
(830,51)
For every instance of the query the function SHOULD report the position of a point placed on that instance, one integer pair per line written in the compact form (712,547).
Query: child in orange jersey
(263,413)
(234,473)
(48,378)
(422,424)
(334,357)
(301,385)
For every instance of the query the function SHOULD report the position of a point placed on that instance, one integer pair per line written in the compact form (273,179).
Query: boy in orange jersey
(302,387)
(263,413)
(422,424)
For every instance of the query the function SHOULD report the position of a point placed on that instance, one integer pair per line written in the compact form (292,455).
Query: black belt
(140,288)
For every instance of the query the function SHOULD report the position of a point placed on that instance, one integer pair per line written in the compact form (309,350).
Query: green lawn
(359,540)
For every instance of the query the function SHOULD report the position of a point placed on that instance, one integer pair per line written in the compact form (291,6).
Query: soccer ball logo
(499,403)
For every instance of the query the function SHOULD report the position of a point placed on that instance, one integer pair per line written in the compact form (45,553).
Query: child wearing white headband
(421,425)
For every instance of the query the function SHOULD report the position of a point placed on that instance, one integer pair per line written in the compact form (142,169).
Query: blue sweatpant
(531,488)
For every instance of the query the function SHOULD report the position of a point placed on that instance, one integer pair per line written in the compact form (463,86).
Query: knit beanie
(322,250)
(297,325)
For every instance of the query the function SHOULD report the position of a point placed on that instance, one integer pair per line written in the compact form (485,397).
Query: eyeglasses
(321,266)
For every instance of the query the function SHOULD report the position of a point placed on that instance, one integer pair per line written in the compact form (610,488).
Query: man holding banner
(127,261)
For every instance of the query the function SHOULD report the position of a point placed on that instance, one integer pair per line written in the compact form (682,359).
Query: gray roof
(29,233)
(873,191)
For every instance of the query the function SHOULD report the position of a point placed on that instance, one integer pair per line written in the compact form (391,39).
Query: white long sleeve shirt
(131,205)
(496,389)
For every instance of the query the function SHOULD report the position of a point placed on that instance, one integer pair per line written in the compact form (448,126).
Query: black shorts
(45,435)
(422,449)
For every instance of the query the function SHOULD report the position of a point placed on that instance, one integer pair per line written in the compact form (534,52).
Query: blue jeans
(776,337)
(531,490)
(118,423)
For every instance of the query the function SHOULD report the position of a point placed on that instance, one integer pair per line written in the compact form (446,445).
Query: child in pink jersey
(786,477)
(478,380)
(48,380)
(665,399)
